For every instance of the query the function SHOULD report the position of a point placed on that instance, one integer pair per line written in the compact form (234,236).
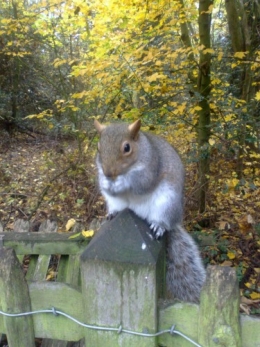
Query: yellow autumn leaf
(255,296)
(227,263)
(31,116)
(70,223)
(211,142)
(74,236)
(229,117)
(155,77)
(52,274)
(257,96)
(220,56)
(181,108)
(235,182)
(58,62)
(216,81)
(6,21)
(208,50)
(240,55)
(197,108)
(210,9)
(78,95)
(88,233)
(60,101)
(86,148)
(75,108)
(231,255)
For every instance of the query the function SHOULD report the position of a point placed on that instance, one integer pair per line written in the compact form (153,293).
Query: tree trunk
(241,33)
(186,39)
(203,88)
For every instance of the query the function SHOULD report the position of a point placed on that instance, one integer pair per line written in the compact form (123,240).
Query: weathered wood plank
(185,318)
(59,343)
(21,225)
(15,299)
(31,267)
(2,326)
(45,295)
(43,243)
(119,281)
(69,270)
(41,268)
(250,327)
(219,309)
(73,270)
(69,300)
(62,268)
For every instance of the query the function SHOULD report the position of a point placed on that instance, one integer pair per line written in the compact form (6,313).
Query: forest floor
(45,178)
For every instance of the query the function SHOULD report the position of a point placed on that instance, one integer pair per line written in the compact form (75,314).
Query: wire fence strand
(118,330)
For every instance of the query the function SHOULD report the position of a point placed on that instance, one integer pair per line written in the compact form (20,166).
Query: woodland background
(190,70)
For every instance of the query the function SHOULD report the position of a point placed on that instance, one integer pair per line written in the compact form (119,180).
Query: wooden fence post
(121,270)
(219,320)
(15,299)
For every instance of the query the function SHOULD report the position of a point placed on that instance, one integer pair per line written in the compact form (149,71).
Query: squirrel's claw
(157,230)
(110,216)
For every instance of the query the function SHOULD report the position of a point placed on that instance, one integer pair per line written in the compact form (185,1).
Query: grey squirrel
(144,173)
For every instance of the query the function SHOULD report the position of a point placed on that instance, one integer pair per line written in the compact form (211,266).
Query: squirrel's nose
(110,173)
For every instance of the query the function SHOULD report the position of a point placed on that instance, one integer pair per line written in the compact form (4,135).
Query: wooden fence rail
(113,282)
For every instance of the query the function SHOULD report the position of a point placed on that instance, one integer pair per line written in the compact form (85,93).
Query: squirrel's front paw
(157,230)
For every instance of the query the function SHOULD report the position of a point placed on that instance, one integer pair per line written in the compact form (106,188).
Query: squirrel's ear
(134,128)
(99,127)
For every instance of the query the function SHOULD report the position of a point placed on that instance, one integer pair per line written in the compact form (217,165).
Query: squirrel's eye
(127,147)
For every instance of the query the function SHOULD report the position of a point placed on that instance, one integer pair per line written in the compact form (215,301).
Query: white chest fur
(153,207)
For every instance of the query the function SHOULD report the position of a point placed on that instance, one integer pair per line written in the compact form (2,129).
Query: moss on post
(15,299)
(219,321)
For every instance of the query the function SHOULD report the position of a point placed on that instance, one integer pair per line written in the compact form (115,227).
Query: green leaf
(74,236)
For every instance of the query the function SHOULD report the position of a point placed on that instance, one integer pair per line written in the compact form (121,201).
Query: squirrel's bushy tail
(185,270)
